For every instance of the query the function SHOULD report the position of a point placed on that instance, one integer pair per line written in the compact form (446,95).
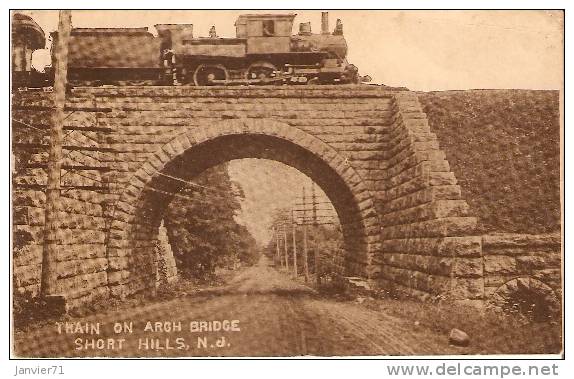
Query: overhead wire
(191,183)
(179,195)
(23,123)
(217,193)
(77,172)
(169,193)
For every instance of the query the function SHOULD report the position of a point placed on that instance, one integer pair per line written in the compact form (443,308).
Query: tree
(202,228)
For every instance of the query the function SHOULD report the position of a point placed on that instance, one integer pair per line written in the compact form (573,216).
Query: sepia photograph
(286,183)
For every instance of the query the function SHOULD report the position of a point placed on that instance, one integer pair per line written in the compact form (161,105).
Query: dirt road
(274,315)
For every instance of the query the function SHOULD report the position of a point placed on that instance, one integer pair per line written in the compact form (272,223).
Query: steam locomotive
(263,52)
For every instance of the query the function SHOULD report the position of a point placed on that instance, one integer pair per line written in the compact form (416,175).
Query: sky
(421,50)
(269,187)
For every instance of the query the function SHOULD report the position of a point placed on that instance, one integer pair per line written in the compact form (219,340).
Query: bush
(531,305)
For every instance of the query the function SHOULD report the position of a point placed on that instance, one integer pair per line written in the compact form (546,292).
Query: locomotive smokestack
(324,22)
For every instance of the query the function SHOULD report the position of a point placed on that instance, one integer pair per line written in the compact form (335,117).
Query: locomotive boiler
(264,51)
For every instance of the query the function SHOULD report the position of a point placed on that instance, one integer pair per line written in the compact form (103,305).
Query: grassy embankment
(504,148)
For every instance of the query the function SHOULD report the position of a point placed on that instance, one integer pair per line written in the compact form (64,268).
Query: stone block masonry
(429,248)
(519,265)
(165,261)
(82,260)
(405,226)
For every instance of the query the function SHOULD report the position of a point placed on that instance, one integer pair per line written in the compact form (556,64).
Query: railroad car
(27,36)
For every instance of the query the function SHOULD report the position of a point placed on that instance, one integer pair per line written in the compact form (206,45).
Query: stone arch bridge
(405,226)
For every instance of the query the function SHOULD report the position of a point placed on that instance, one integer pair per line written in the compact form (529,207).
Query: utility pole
(305,256)
(277,254)
(52,207)
(314,200)
(315,250)
(286,251)
(294,243)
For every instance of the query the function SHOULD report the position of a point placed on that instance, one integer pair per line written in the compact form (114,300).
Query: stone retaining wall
(522,262)
(429,248)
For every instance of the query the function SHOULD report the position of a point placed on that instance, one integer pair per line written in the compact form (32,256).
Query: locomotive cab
(272,50)
(266,33)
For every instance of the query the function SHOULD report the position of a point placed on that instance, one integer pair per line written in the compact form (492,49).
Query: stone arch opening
(138,213)
(528,297)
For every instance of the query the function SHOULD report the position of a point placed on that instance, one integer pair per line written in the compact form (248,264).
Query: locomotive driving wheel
(261,70)
(206,74)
